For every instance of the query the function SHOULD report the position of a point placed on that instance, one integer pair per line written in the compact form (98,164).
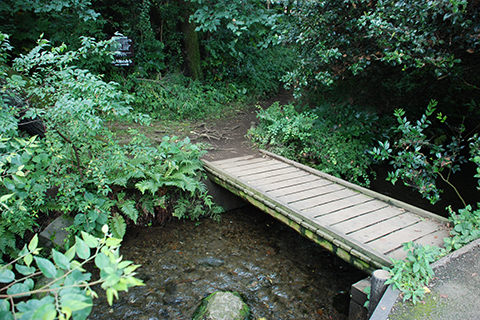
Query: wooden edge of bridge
(353,252)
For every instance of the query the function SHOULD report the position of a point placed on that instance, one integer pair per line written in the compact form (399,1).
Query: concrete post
(378,287)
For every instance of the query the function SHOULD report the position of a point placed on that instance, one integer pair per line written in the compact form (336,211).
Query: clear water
(280,274)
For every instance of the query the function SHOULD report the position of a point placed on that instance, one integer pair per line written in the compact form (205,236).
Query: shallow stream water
(280,274)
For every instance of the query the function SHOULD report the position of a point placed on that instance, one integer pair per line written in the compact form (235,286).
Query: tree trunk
(191,43)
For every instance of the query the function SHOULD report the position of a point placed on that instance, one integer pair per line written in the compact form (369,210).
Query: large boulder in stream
(222,305)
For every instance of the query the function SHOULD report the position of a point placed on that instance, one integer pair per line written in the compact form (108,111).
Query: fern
(128,208)
(117,225)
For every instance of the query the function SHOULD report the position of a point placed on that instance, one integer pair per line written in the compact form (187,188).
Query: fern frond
(128,208)
(117,224)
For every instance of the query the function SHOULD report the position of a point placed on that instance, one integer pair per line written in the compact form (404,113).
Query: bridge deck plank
(363,223)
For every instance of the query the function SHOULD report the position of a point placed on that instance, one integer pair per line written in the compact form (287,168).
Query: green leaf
(6,275)
(50,315)
(4,305)
(110,292)
(28,259)
(6,197)
(61,260)
(111,280)
(113,242)
(70,254)
(29,283)
(24,270)
(102,261)
(128,270)
(19,289)
(90,240)
(75,301)
(6,315)
(47,267)
(134,281)
(83,251)
(128,208)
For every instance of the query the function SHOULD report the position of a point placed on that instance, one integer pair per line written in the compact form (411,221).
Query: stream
(280,274)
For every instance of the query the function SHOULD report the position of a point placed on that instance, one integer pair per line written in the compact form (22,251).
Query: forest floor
(223,138)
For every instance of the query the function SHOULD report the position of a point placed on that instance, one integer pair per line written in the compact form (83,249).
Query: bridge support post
(358,297)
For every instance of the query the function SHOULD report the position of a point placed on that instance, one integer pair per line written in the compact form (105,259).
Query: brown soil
(228,138)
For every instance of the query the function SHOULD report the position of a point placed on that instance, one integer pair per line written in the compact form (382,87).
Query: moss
(203,311)
(426,309)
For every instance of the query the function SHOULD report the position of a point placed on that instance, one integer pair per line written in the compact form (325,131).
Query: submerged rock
(222,305)
(211,262)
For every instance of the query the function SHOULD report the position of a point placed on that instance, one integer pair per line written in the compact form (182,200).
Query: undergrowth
(176,97)
(331,138)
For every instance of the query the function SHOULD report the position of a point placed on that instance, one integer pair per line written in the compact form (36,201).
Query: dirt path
(227,137)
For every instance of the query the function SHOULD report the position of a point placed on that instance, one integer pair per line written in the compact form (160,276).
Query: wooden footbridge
(360,226)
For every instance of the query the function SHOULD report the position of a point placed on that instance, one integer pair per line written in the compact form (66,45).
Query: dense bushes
(401,53)
(331,138)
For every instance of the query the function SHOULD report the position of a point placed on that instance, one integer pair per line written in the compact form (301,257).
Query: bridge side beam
(336,246)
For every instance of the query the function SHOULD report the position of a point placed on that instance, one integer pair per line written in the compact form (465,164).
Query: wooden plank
(384,227)
(263,175)
(246,165)
(322,187)
(273,182)
(325,194)
(242,171)
(288,189)
(290,183)
(334,207)
(395,239)
(381,211)
(232,160)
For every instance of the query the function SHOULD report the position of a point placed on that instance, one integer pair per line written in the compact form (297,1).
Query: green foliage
(412,275)
(239,39)
(59,20)
(331,138)
(67,289)
(78,168)
(176,97)
(405,49)
(475,154)
(465,228)
(23,165)
(412,163)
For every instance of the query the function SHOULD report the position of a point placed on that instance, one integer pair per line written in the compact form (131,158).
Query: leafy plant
(411,275)
(419,161)
(241,41)
(465,228)
(410,42)
(67,289)
(176,97)
(330,139)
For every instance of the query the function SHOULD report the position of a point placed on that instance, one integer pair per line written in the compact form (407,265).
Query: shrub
(329,138)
